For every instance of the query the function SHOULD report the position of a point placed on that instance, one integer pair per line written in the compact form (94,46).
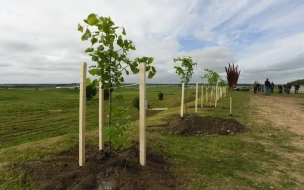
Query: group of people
(269,86)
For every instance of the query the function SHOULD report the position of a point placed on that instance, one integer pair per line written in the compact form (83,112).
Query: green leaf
(86,35)
(123,31)
(80,28)
(150,60)
(92,20)
(120,42)
(151,75)
(143,59)
(88,81)
(127,72)
(148,68)
(153,70)
(94,72)
(100,48)
(95,83)
(90,49)
(83,37)
(94,58)
(94,40)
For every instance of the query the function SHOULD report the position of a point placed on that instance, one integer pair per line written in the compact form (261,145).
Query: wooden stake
(196,97)
(101,114)
(82,113)
(182,101)
(216,94)
(142,115)
(230,105)
(206,94)
(202,100)
(211,94)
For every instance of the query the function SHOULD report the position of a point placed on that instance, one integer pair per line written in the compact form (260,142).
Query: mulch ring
(195,125)
(102,171)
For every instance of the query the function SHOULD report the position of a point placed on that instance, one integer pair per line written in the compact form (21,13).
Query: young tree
(185,71)
(212,78)
(109,51)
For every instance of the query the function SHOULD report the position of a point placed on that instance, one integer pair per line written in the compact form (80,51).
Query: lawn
(38,123)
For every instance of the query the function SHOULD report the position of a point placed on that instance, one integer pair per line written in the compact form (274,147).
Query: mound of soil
(198,125)
(102,171)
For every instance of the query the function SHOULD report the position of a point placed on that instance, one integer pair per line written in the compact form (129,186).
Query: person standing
(271,87)
(288,86)
(255,87)
(297,86)
(267,84)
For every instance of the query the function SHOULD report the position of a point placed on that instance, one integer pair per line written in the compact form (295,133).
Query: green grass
(35,124)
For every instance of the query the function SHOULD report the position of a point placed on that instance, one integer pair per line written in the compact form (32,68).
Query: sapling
(109,51)
(212,78)
(185,71)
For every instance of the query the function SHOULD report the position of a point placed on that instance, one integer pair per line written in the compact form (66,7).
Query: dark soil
(198,125)
(195,125)
(101,171)
(122,170)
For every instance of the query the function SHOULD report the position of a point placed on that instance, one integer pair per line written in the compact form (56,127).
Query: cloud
(204,35)
(39,41)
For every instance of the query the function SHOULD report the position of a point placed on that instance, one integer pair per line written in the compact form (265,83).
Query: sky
(39,41)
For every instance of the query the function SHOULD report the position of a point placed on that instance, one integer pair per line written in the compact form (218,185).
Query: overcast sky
(39,41)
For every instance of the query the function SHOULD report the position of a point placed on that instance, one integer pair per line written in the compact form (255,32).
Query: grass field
(37,123)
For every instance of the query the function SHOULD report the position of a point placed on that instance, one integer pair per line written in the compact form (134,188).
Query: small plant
(135,102)
(109,51)
(212,78)
(160,96)
(185,71)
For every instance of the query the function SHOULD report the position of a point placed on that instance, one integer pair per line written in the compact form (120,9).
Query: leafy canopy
(186,69)
(212,77)
(109,50)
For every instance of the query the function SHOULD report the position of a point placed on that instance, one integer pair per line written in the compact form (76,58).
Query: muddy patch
(195,125)
(102,171)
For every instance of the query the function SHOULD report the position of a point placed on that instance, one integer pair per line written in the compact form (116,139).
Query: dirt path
(283,112)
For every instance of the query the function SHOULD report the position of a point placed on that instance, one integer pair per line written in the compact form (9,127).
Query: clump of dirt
(102,171)
(198,125)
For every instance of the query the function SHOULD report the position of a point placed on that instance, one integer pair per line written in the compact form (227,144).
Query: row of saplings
(109,51)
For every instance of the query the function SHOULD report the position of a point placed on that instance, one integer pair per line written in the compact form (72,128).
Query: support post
(101,114)
(202,100)
(206,94)
(211,94)
(196,97)
(142,114)
(182,101)
(82,113)
(230,105)
(216,94)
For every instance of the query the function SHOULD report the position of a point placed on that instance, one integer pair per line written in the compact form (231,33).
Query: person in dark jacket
(297,87)
(255,87)
(288,87)
(267,84)
(271,87)
(280,89)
